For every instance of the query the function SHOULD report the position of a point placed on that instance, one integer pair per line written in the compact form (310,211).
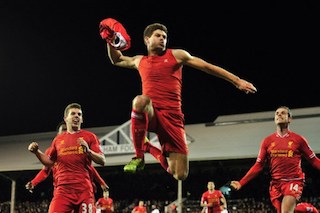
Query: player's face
(211,185)
(158,40)
(106,194)
(74,119)
(281,116)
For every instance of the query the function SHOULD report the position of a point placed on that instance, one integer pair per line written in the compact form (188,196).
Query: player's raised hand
(105,31)
(246,86)
(235,185)
(113,32)
(33,147)
(105,187)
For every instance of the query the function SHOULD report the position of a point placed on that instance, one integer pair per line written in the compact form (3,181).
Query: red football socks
(139,125)
(157,154)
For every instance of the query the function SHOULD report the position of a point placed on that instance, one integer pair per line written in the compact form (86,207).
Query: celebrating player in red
(304,207)
(105,203)
(140,208)
(158,109)
(46,171)
(213,200)
(73,151)
(282,152)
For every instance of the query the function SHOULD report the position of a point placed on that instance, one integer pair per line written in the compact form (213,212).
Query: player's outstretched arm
(43,158)
(251,174)
(185,58)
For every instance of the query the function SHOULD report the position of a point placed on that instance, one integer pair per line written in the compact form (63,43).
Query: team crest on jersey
(290,153)
(62,142)
(273,144)
(80,150)
(290,144)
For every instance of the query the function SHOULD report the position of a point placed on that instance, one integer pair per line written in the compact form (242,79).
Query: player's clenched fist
(33,147)
(235,185)
(84,145)
(30,186)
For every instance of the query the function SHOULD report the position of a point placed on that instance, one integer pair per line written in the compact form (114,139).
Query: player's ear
(145,40)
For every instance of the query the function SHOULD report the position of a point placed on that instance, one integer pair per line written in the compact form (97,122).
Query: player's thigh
(288,203)
(179,161)
(61,203)
(87,204)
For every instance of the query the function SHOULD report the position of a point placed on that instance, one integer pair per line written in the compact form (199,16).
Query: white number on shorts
(87,209)
(294,187)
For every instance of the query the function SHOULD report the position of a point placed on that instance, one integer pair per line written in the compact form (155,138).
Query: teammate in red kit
(105,203)
(158,108)
(41,176)
(282,152)
(73,151)
(304,207)
(46,171)
(213,200)
(140,208)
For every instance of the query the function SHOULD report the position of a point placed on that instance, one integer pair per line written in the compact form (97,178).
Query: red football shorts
(169,127)
(67,202)
(279,188)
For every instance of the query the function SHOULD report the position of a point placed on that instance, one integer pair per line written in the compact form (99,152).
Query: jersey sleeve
(258,166)
(41,176)
(96,176)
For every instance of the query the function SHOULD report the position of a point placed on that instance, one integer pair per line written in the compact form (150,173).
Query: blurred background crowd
(155,187)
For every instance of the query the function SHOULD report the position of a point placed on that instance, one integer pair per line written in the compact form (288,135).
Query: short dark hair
(70,106)
(153,27)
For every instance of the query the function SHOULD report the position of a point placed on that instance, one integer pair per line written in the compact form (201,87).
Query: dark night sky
(51,54)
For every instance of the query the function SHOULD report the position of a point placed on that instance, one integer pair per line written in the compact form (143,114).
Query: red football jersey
(161,78)
(72,162)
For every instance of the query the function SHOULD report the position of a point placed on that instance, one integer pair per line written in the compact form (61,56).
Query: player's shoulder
(295,134)
(218,191)
(298,137)
(270,137)
(88,134)
(205,193)
(178,52)
(181,55)
(60,135)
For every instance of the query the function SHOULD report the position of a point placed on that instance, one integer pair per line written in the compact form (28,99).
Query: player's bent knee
(140,103)
(180,175)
